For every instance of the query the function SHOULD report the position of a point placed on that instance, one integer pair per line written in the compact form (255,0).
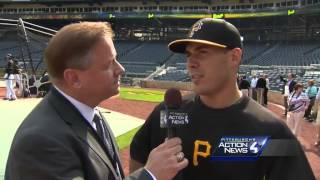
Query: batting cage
(24,43)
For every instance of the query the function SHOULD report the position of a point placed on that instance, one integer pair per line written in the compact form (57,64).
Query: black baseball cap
(209,31)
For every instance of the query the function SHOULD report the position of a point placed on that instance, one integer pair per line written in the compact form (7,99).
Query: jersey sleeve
(147,137)
(290,167)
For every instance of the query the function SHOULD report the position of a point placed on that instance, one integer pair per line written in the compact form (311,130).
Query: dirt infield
(142,109)
(137,109)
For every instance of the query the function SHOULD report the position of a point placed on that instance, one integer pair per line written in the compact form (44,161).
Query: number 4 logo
(254,148)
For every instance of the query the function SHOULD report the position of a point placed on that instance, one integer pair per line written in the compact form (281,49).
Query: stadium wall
(186,86)
(273,96)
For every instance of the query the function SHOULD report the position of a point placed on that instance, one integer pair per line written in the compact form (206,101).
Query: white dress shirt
(253,83)
(86,111)
(267,83)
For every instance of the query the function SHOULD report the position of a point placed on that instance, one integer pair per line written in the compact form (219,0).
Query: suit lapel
(80,126)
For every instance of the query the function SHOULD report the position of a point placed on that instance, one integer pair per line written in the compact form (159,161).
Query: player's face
(209,68)
(101,79)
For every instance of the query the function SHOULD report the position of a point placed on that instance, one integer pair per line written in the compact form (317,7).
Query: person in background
(17,76)
(244,86)
(298,102)
(260,87)
(265,92)
(288,89)
(317,123)
(9,77)
(252,90)
(311,91)
(284,82)
(45,85)
(31,84)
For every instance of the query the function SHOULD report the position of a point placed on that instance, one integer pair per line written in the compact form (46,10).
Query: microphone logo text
(174,118)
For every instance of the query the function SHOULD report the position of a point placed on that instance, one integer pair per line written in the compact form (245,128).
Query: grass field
(124,140)
(141,94)
(138,95)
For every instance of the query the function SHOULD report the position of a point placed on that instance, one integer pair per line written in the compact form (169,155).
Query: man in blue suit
(287,90)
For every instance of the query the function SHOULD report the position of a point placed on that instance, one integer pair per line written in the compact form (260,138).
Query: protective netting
(26,43)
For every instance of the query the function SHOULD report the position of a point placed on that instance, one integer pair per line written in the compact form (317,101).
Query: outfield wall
(273,96)
(186,86)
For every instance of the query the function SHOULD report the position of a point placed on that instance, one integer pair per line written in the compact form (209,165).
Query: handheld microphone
(172,117)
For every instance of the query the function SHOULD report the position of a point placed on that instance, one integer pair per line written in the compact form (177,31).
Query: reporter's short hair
(71,44)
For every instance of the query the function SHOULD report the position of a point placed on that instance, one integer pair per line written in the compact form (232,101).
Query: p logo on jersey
(239,148)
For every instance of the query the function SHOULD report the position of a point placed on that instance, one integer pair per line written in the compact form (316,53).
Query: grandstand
(280,36)
(118,7)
